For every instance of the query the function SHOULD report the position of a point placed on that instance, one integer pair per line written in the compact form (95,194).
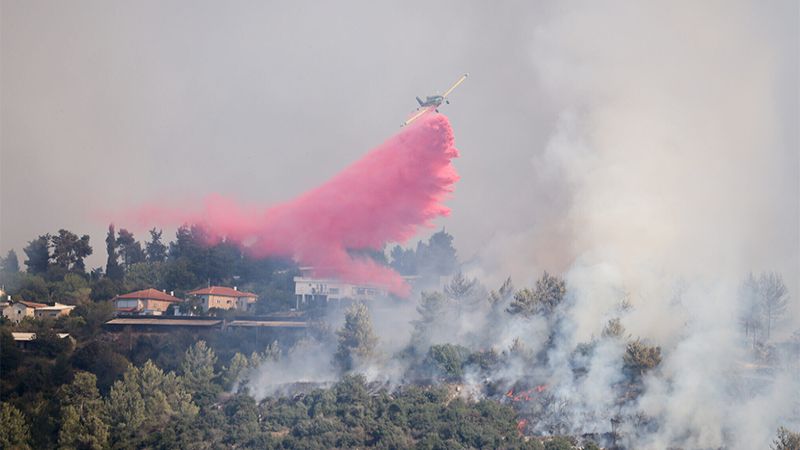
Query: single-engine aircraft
(434,101)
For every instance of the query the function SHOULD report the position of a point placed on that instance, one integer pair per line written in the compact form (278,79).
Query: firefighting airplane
(434,101)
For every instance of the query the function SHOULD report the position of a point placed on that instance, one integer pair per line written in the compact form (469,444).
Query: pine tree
(113,269)
(126,408)
(461,291)
(750,314)
(147,401)
(129,248)
(503,294)
(155,249)
(233,374)
(69,250)
(774,299)
(10,264)
(38,253)
(82,414)
(431,309)
(198,373)
(14,430)
(356,339)
(547,295)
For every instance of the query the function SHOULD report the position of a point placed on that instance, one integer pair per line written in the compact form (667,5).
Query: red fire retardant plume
(384,197)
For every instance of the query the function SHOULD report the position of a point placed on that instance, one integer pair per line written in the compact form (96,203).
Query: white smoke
(683,177)
(676,154)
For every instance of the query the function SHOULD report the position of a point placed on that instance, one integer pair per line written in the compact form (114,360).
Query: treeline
(55,269)
(152,408)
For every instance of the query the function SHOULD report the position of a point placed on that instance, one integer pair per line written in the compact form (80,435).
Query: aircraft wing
(455,85)
(417,115)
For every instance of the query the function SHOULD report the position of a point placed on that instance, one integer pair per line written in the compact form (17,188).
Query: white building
(309,290)
(54,311)
(21,309)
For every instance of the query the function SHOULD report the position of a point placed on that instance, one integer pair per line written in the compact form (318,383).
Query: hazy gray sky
(108,104)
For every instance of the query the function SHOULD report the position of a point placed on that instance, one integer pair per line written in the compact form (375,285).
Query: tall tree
(191,245)
(774,299)
(404,260)
(14,430)
(155,249)
(125,405)
(223,262)
(431,309)
(502,295)
(461,291)
(38,252)
(198,372)
(113,269)
(10,264)
(237,368)
(129,248)
(548,294)
(750,314)
(82,414)
(69,250)
(431,260)
(439,256)
(356,339)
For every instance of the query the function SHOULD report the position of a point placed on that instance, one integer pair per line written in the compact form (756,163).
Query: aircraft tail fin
(419,100)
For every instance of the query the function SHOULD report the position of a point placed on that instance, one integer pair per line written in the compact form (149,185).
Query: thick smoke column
(384,197)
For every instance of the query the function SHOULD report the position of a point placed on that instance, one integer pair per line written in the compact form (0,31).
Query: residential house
(54,311)
(314,290)
(145,302)
(225,298)
(21,309)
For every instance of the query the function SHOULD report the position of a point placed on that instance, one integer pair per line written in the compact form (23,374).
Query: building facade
(54,311)
(21,309)
(145,302)
(222,297)
(310,291)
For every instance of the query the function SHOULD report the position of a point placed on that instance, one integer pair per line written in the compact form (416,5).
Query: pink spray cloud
(386,196)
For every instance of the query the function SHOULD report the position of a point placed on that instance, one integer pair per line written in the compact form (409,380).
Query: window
(127,303)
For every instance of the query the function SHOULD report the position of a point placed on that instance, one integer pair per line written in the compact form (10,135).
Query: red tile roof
(222,291)
(149,294)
